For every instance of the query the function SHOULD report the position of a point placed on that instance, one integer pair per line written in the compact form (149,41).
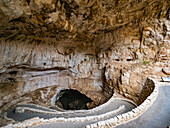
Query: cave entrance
(70,99)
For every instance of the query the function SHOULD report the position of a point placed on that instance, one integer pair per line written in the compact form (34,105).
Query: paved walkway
(110,107)
(157,116)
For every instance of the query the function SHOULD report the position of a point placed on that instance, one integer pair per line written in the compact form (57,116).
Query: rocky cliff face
(82,24)
(94,46)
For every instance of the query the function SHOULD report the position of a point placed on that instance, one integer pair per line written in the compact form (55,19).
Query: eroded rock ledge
(82,24)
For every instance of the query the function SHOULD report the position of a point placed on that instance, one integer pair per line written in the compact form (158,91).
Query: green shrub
(144,62)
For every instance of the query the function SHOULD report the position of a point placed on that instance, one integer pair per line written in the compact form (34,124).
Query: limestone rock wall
(27,67)
(95,46)
(81,24)
(138,54)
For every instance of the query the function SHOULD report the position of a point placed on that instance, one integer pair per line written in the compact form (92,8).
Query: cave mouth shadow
(70,99)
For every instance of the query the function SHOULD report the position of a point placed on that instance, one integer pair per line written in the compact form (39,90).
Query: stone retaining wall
(147,90)
(22,109)
(41,121)
(131,115)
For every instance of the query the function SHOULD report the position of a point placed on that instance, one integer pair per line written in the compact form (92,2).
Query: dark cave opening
(73,100)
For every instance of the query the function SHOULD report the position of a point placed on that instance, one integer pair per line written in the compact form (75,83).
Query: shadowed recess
(73,100)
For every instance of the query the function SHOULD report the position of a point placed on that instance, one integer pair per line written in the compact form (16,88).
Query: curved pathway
(157,116)
(114,105)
